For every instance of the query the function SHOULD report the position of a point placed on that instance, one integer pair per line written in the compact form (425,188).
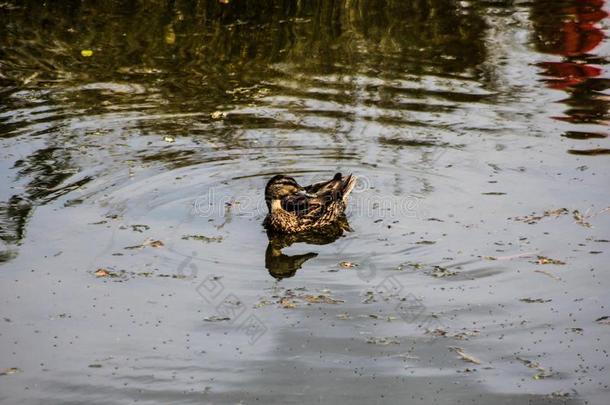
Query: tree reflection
(175,58)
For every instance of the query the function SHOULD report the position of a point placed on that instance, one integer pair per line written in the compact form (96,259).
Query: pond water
(136,141)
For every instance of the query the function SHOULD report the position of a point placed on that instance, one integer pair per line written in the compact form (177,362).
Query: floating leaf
(464,356)
(348,265)
(324,299)
(86,53)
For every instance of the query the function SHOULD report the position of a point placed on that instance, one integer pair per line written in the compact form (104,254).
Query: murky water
(136,143)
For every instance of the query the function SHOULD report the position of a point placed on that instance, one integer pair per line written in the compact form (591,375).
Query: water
(461,119)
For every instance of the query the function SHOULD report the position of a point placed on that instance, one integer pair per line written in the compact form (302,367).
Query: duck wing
(319,196)
(336,189)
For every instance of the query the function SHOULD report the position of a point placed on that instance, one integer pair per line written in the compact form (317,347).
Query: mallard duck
(295,209)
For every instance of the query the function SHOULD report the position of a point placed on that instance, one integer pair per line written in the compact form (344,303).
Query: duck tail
(347,186)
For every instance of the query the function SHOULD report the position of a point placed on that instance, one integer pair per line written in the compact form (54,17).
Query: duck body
(295,209)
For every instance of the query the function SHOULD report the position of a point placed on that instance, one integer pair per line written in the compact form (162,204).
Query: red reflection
(575,34)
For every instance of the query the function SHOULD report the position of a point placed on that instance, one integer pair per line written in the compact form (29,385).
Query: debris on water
(534,300)
(286,302)
(434,270)
(99,222)
(547,260)
(261,303)
(321,299)
(559,394)
(425,242)
(178,276)
(532,219)
(148,242)
(87,53)
(604,320)
(216,318)
(542,372)
(123,275)
(348,265)
(436,332)
(581,219)
(578,331)
(140,228)
(494,193)
(464,356)
(9,371)
(548,273)
(106,273)
(95,366)
(153,243)
(369,297)
(344,316)
(541,375)
(383,341)
(203,238)
(439,271)
(464,334)
(169,139)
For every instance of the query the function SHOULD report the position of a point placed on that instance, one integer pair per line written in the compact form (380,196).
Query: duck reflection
(281,265)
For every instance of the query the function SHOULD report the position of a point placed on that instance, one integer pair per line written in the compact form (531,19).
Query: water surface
(478,131)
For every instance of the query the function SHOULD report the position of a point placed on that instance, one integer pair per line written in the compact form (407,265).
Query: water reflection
(571,29)
(281,265)
(281,75)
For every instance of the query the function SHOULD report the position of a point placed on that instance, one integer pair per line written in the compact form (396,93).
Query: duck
(294,209)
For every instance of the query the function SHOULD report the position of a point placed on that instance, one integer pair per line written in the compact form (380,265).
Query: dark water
(124,123)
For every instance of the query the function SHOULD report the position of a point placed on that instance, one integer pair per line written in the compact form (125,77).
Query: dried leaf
(347,265)
(321,299)
(464,356)
(102,273)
